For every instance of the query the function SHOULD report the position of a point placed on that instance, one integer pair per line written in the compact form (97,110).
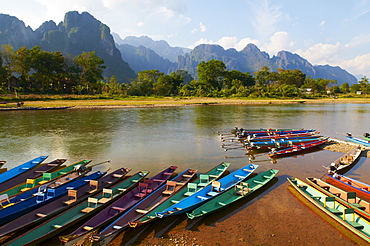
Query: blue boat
(208,192)
(16,210)
(21,168)
(359,141)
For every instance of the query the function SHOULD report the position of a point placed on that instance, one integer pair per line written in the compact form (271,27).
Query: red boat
(362,190)
(297,148)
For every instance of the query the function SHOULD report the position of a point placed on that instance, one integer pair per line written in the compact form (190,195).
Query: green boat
(232,195)
(45,178)
(198,184)
(77,213)
(333,211)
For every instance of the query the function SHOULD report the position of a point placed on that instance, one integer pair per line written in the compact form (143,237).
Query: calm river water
(152,139)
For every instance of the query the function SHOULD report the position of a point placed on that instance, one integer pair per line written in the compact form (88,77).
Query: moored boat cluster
(39,201)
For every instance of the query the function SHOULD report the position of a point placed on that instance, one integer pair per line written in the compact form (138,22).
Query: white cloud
(279,41)
(227,42)
(321,53)
(202,28)
(359,65)
(322,23)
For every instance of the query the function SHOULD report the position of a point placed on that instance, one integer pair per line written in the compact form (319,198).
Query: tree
(344,88)
(246,79)
(211,74)
(92,68)
(289,77)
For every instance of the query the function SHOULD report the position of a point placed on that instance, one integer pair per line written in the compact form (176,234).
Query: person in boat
(349,134)
(366,135)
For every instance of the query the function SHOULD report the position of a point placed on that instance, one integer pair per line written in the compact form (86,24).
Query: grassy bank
(86,102)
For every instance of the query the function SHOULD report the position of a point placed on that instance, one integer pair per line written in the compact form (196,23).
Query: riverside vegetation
(38,72)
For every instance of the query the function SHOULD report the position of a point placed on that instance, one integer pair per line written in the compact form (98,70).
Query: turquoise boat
(21,168)
(346,217)
(359,141)
(191,188)
(232,195)
(208,192)
(76,213)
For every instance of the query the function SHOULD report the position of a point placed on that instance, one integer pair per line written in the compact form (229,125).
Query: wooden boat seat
(40,215)
(239,176)
(39,171)
(329,204)
(203,180)
(88,228)
(92,203)
(187,176)
(213,176)
(141,211)
(257,182)
(29,184)
(221,203)
(118,208)
(242,189)
(94,186)
(202,198)
(107,195)
(117,175)
(52,164)
(46,177)
(72,195)
(168,174)
(170,188)
(150,183)
(143,190)
(215,188)
(351,220)
(4,198)
(192,188)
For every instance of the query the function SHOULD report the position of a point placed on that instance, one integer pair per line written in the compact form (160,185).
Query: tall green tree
(92,68)
(211,74)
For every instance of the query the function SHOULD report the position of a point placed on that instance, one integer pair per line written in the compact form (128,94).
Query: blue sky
(330,32)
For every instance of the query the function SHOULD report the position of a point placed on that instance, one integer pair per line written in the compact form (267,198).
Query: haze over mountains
(125,57)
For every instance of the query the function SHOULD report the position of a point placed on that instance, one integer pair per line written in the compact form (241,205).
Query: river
(152,139)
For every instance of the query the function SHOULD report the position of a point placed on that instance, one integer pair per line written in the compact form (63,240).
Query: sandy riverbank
(172,102)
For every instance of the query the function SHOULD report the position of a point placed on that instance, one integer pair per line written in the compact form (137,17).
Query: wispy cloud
(201,28)
(265,17)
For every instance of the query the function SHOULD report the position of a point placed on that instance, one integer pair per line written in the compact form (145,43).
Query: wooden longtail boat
(241,130)
(279,144)
(359,141)
(121,205)
(52,180)
(9,213)
(191,188)
(295,148)
(143,207)
(76,213)
(232,195)
(345,162)
(347,217)
(32,174)
(286,136)
(257,140)
(362,190)
(349,199)
(48,210)
(268,133)
(21,169)
(208,192)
